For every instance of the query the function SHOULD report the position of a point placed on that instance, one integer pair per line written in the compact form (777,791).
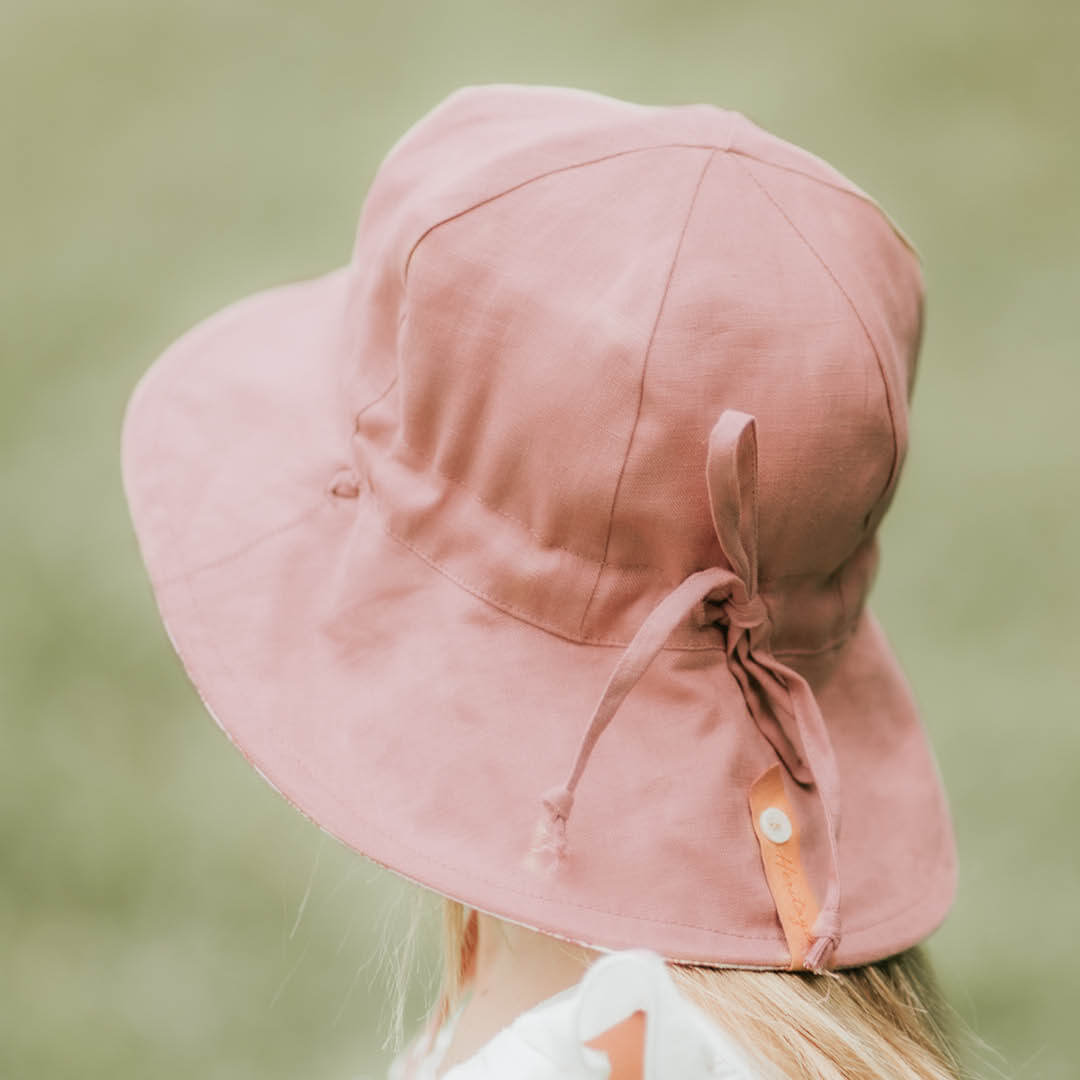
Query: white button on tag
(775,824)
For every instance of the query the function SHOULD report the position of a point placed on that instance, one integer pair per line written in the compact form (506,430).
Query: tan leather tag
(624,1045)
(778,837)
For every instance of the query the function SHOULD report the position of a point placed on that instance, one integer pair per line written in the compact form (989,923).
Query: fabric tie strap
(771,688)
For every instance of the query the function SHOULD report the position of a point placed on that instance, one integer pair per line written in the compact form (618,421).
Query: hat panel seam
(528,618)
(373,401)
(713,146)
(882,374)
(542,176)
(854,192)
(327,498)
(796,576)
(254,542)
(477,497)
(510,608)
(641,385)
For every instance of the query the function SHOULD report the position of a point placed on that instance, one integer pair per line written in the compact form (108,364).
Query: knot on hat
(771,689)
(746,613)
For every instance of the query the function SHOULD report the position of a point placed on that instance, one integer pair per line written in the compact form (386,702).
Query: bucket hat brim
(419,723)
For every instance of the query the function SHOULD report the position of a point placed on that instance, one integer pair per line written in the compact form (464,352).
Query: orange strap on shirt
(624,1045)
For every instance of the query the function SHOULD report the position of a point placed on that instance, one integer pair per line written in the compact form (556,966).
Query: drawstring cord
(732,481)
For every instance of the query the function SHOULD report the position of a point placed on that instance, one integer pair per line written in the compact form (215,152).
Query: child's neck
(516,968)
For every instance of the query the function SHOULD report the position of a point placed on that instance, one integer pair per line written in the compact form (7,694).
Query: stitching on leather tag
(791,892)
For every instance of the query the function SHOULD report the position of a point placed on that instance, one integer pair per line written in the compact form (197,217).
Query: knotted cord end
(548,848)
(826,939)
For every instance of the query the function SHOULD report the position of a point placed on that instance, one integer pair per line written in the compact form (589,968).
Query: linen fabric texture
(514,550)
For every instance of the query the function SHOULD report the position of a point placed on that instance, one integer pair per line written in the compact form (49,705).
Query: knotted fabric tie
(732,481)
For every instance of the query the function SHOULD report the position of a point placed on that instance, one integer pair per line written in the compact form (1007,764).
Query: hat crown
(559,295)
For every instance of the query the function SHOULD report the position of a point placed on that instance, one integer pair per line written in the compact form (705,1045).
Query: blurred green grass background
(162,912)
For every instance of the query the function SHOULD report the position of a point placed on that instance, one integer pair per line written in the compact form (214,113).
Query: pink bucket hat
(528,553)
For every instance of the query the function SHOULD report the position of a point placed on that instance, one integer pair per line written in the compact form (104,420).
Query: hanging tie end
(819,956)
(826,939)
(548,848)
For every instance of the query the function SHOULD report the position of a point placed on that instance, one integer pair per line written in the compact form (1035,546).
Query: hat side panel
(520,379)
(880,279)
(752,322)
(477,145)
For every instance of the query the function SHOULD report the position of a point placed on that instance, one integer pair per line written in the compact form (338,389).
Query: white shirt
(548,1041)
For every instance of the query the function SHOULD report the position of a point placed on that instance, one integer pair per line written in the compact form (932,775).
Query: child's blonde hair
(884,1021)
